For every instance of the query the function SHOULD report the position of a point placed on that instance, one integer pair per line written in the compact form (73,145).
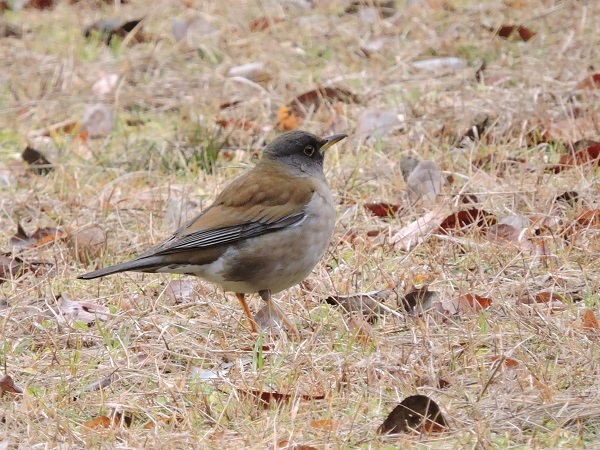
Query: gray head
(300,149)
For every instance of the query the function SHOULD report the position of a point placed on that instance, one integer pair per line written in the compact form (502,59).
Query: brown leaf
(509,363)
(38,238)
(322,94)
(325,424)
(467,219)
(288,118)
(467,303)
(8,386)
(589,320)
(39,4)
(9,30)
(365,304)
(108,422)
(88,244)
(418,300)
(583,157)
(512,31)
(11,267)
(591,82)
(569,130)
(383,209)
(236,123)
(541,297)
(108,29)
(38,162)
(589,218)
(360,329)
(415,413)
(265,398)
(262,23)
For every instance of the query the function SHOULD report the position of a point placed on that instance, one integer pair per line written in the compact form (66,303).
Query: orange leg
(242,299)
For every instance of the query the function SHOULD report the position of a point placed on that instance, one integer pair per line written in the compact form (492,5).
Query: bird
(263,233)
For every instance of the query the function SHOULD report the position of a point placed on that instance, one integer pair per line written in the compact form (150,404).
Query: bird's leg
(242,299)
(266,296)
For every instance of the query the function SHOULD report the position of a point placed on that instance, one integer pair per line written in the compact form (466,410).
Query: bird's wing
(252,205)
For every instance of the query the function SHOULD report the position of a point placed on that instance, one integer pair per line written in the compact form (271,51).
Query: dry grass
(160,352)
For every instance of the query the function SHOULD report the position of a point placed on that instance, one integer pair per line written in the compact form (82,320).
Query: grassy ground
(178,371)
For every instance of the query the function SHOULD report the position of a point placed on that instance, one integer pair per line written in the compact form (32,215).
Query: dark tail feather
(137,265)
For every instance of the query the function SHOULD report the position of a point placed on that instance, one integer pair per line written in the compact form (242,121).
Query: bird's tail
(149,264)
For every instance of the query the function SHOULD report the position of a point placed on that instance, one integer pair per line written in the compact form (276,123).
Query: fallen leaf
(265,398)
(253,71)
(424,178)
(39,4)
(180,291)
(108,29)
(88,244)
(11,267)
(262,23)
(569,198)
(509,363)
(436,64)
(387,8)
(466,220)
(9,30)
(417,413)
(366,304)
(383,209)
(591,82)
(325,424)
(512,31)
(502,233)
(481,124)
(98,385)
(587,219)
(38,238)
(416,231)
(360,329)
(37,161)
(463,304)
(375,122)
(8,386)
(569,130)
(589,320)
(586,156)
(321,94)
(105,85)
(541,297)
(419,300)
(85,312)
(290,116)
(108,422)
(98,120)
(236,123)
(288,119)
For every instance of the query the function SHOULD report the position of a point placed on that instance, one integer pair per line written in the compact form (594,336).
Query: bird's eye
(309,151)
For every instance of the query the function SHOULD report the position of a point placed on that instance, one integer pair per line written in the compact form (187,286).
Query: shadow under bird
(264,233)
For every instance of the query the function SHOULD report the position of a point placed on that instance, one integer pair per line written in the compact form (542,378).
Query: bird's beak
(329,141)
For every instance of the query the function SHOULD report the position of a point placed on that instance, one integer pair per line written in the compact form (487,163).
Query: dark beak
(329,141)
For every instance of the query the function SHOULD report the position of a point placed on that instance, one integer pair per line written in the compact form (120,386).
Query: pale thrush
(264,233)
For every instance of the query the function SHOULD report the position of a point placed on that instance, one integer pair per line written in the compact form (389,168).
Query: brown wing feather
(255,197)
(254,204)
